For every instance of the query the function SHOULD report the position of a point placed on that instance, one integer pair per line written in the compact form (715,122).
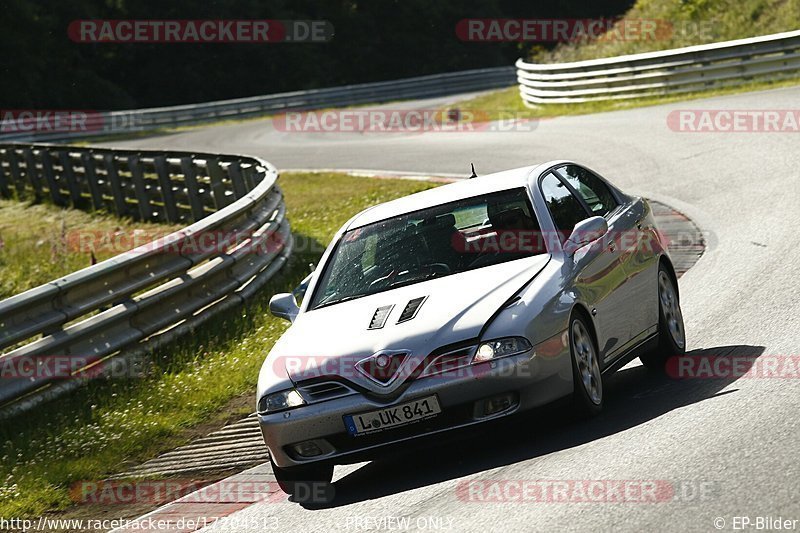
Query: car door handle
(639,225)
(612,246)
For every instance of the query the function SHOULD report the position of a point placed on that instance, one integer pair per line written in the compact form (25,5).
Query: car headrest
(447,220)
(511,219)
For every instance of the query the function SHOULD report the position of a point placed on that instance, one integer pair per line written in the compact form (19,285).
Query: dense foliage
(374,40)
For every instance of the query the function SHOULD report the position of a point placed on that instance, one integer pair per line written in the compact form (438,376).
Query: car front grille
(448,361)
(326,390)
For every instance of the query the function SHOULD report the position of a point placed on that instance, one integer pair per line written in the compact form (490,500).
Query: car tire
(671,333)
(587,394)
(306,481)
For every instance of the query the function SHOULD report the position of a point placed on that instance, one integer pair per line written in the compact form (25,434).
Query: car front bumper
(531,379)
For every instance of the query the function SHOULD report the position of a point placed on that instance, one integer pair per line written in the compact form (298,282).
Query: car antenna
(473,171)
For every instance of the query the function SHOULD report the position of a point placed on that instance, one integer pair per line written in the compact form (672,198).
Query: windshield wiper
(325,303)
(400,283)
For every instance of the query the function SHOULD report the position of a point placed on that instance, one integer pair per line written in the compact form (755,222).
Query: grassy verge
(112,424)
(39,243)
(506,104)
(685,23)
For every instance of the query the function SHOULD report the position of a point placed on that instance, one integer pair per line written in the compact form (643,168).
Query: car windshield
(433,242)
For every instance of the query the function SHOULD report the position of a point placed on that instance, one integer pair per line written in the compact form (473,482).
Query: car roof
(467,188)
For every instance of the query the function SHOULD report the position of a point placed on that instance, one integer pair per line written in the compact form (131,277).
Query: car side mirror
(299,292)
(284,306)
(586,231)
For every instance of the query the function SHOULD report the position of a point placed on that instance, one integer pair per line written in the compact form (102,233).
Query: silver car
(462,304)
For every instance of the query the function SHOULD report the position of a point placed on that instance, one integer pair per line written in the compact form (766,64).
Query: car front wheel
(587,395)
(306,482)
(671,334)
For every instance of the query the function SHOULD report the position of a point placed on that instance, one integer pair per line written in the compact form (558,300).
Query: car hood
(330,340)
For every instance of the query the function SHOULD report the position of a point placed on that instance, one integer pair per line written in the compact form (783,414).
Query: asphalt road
(736,438)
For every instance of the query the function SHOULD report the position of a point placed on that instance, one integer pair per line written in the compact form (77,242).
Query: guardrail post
(192,189)
(249,173)
(69,175)
(217,187)
(165,184)
(139,187)
(116,184)
(235,174)
(5,192)
(91,179)
(50,177)
(13,166)
(32,173)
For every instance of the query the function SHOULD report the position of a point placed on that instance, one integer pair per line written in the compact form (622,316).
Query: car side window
(594,192)
(565,209)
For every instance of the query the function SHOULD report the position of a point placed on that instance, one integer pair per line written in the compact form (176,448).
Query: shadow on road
(633,396)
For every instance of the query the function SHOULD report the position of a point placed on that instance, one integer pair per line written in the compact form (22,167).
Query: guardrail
(111,122)
(656,73)
(134,302)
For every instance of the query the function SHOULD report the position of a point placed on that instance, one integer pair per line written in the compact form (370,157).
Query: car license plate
(392,417)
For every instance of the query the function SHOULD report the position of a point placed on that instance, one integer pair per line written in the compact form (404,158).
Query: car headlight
(501,348)
(280,401)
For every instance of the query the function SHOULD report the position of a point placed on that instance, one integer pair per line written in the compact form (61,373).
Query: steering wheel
(388,278)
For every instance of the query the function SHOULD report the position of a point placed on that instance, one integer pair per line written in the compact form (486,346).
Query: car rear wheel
(587,395)
(671,334)
(308,482)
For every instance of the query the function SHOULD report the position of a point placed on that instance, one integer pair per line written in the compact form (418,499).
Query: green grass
(39,243)
(111,424)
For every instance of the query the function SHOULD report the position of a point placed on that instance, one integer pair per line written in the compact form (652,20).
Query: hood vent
(380,316)
(411,308)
